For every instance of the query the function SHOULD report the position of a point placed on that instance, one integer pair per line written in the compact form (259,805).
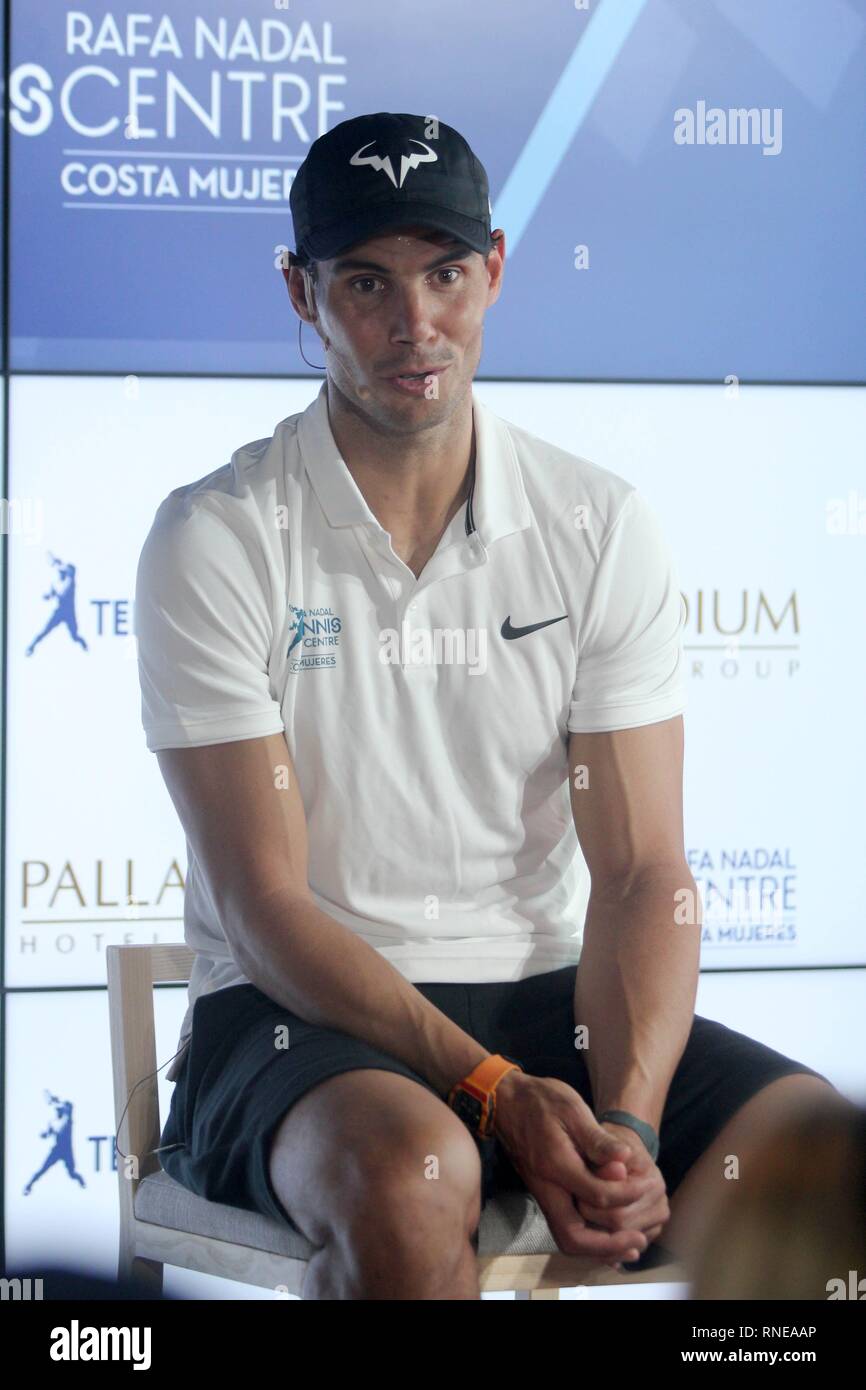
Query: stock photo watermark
(737,126)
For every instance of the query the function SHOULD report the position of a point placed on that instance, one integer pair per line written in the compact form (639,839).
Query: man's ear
(289,261)
(310,297)
(286,261)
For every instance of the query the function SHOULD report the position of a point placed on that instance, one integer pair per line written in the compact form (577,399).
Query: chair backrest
(132,973)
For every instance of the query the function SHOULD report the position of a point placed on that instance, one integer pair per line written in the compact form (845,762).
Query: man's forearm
(635,991)
(327,974)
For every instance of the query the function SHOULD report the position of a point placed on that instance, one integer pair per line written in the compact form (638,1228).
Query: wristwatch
(474,1098)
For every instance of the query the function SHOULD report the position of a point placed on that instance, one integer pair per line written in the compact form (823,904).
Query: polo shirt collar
(499,502)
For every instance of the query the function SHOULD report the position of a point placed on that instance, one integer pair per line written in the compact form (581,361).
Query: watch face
(468,1108)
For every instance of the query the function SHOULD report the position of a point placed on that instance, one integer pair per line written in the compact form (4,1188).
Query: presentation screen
(679,184)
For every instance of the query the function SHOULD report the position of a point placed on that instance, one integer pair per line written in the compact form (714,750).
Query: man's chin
(378,397)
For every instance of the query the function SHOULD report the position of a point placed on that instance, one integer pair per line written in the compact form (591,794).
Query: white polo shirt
(428,718)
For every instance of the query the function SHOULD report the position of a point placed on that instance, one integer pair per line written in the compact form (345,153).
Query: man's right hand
(555,1142)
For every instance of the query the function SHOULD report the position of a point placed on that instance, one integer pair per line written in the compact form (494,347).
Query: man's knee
(376,1151)
(423,1173)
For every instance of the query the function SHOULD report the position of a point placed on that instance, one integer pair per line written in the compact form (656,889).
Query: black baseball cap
(388,170)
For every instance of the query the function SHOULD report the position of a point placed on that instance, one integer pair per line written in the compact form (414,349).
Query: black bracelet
(640,1127)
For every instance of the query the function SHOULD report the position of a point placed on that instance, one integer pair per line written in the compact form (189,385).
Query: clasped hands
(599,1189)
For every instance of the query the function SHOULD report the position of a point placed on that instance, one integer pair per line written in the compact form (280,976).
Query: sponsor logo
(510,633)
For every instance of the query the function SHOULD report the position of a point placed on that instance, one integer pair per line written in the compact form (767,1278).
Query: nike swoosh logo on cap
(509,632)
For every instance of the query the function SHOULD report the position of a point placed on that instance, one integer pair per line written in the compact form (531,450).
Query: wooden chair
(161,1223)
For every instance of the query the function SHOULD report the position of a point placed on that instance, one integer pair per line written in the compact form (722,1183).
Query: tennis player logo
(408,162)
(61,1149)
(63,590)
(298,627)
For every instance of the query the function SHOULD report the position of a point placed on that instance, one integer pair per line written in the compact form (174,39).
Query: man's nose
(412,320)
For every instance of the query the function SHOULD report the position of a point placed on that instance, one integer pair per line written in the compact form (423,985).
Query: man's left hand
(650,1211)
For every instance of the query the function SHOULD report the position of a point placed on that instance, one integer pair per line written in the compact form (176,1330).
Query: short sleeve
(203,632)
(630,664)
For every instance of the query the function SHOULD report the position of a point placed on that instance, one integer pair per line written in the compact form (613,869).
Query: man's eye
(374,279)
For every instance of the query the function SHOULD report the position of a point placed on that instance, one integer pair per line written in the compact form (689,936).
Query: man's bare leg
(354,1162)
(694,1203)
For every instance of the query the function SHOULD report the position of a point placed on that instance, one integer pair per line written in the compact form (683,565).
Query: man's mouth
(415,381)
(412,376)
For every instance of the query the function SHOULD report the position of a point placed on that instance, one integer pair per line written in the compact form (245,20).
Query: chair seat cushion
(511,1223)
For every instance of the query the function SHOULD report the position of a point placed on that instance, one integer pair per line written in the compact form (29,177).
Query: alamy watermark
(737,126)
(438,646)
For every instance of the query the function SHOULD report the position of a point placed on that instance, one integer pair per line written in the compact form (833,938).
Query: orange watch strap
(481,1083)
(487,1075)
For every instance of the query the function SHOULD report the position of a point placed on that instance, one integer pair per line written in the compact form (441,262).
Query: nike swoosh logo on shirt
(509,632)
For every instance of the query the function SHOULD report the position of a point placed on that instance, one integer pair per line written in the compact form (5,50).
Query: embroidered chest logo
(316,640)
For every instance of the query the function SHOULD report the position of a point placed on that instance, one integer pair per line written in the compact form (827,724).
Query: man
(413,675)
